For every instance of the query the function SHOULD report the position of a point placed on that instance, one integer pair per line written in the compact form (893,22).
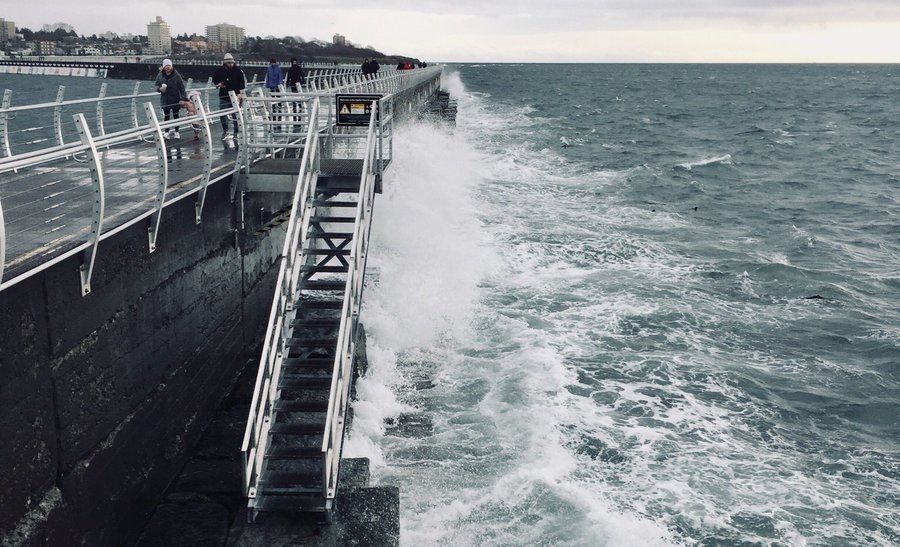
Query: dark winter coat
(175,89)
(295,75)
(233,78)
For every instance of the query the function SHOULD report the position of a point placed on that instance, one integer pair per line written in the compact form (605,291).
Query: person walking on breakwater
(370,68)
(228,77)
(172,91)
(274,77)
(295,75)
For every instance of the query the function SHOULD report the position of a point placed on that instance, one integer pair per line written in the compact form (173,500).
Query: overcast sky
(524,30)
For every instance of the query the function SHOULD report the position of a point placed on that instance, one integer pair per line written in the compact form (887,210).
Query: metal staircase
(295,429)
(292,473)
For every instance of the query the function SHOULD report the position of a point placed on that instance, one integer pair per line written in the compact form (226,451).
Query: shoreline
(135,70)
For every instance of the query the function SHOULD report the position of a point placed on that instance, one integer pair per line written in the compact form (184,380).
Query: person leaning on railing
(227,78)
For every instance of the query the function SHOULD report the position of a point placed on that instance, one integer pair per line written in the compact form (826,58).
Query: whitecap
(724,160)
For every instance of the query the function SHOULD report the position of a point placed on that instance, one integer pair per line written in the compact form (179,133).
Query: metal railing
(287,297)
(265,391)
(87,149)
(341,380)
(38,137)
(323,141)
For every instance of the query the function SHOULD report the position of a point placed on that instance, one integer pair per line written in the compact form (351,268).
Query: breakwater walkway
(139,276)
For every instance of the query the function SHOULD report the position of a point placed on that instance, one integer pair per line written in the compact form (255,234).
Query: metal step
(330,235)
(332,219)
(310,503)
(298,428)
(332,252)
(324,269)
(293,453)
(300,342)
(304,382)
(329,203)
(284,480)
(300,406)
(316,323)
(307,362)
(316,285)
(312,492)
(311,352)
(320,304)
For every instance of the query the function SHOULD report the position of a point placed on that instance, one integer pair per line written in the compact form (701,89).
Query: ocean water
(641,305)
(680,329)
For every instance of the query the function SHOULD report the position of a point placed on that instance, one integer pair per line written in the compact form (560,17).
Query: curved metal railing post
(242,131)
(57,115)
(135,121)
(90,254)
(206,137)
(100,129)
(4,122)
(153,231)
(2,243)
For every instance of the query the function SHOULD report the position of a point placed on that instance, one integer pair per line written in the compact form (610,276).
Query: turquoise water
(680,328)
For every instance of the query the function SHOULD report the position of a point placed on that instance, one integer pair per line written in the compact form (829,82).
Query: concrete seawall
(103,395)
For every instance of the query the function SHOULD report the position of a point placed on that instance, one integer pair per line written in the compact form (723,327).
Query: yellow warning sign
(355,109)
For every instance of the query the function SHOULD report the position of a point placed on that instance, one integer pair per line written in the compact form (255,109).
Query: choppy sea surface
(641,305)
(635,305)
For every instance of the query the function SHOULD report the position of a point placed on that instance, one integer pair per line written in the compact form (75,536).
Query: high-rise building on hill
(159,36)
(229,36)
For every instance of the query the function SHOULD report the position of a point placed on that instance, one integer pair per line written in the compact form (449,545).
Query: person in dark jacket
(295,75)
(172,91)
(228,77)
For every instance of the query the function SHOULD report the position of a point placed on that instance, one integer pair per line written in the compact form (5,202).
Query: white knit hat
(167,62)
(228,57)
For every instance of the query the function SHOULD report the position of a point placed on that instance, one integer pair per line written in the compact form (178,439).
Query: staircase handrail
(255,440)
(341,379)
